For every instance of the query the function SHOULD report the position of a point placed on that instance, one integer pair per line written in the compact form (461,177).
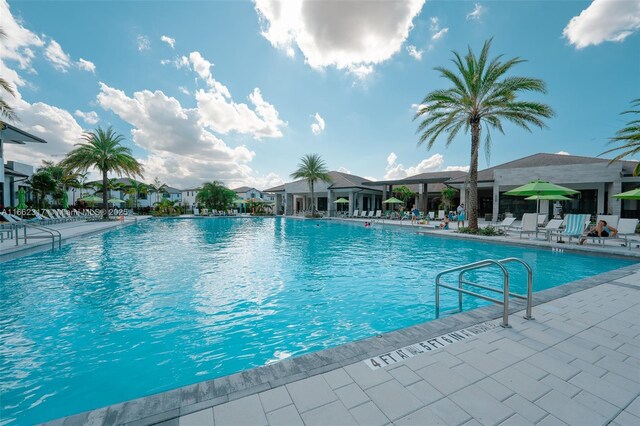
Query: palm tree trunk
(473,176)
(105,194)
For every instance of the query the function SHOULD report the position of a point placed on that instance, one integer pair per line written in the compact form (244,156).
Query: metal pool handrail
(505,290)
(50,233)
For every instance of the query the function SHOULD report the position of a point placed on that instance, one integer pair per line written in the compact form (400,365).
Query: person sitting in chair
(601,230)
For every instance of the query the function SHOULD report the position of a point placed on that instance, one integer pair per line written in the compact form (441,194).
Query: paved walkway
(577,363)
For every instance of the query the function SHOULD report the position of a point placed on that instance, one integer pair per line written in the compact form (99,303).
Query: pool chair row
(214,212)
(372,214)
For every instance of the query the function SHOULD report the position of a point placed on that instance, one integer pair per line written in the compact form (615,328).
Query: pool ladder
(505,290)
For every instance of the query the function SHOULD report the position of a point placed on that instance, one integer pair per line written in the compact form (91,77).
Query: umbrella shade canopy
(21,199)
(634,194)
(341,201)
(540,187)
(393,200)
(115,200)
(548,197)
(91,199)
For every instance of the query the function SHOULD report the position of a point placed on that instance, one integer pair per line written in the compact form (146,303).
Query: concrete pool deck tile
(288,416)
(495,389)
(443,379)
(404,375)
(370,415)
(445,408)
(310,393)
(245,411)
(425,392)
(189,395)
(521,384)
(351,395)
(481,406)
(199,418)
(275,398)
(334,413)
(622,382)
(337,378)
(597,404)
(166,416)
(393,399)
(568,410)
(560,385)
(525,408)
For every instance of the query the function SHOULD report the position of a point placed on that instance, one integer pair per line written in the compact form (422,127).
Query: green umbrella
(634,194)
(115,201)
(540,187)
(21,199)
(548,197)
(341,201)
(392,200)
(91,199)
(65,200)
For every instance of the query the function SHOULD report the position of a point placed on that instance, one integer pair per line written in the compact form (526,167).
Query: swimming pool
(166,303)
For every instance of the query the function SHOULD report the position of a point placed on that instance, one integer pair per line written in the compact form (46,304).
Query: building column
(496,202)
(289,204)
(278,203)
(601,189)
(351,203)
(330,206)
(615,204)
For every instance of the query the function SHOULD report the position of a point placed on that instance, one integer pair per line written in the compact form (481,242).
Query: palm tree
(6,110)
(214,195)
(137,188)
(481,95)
(312,168)
(629,136)
(156,187)
(103,150)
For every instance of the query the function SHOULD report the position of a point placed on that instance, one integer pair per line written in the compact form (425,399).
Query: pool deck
(577,363)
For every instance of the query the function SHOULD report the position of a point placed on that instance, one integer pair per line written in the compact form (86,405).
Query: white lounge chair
(432,215)
(506,224)
(363,214)
(627,230)
(441,214)
(355,213)
(378,214)
(575,226)
(552,226)
(529,224)
(371,214)
(542,218)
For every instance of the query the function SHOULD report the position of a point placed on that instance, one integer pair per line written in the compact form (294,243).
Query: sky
(238,91)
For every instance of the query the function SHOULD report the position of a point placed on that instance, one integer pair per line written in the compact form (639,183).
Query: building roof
(542,160)
(279,188)
(11,172)
(243,189)
(11,134)
(191,189)
(344,180)
(172,190)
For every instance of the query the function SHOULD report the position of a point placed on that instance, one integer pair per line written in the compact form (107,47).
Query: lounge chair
(441,214)
(529,224)
(371,214)
(575,226)
(196,212)
(627,230)
(552,226)
(378,214)
(355,213)
(363,214)
(542,218)
(432,215)
(506,224)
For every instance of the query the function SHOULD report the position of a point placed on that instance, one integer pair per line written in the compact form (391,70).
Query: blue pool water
(166,303)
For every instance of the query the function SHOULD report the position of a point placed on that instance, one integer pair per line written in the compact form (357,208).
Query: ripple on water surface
(167,303)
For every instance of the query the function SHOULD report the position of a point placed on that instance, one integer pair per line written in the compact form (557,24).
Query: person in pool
(601,230)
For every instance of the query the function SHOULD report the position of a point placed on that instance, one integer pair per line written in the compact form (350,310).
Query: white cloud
(348,35)
(391,159)
(436,32)
(343,169)
(203,68)
(170,41)
(440,34)
(83,64)
(58,58)
(476,13)
(456,169)
(432,164)
(181,151)
(414,52)
(318,126)
(562,153)
(143,43)
(370,178)
(17,45)
(603,20)
(419,107)
(90,117)
(184,90)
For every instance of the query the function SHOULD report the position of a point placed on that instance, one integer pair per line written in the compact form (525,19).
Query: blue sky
(238,91)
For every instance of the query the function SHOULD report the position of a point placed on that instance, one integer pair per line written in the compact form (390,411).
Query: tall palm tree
(481,96)
(6,110)
(157,187)
(136,189)
(102,149)
(312,168)
(629,136)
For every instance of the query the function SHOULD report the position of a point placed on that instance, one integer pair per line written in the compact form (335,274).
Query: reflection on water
(166,303)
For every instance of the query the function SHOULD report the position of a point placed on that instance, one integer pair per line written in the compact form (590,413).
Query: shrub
(489,231)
